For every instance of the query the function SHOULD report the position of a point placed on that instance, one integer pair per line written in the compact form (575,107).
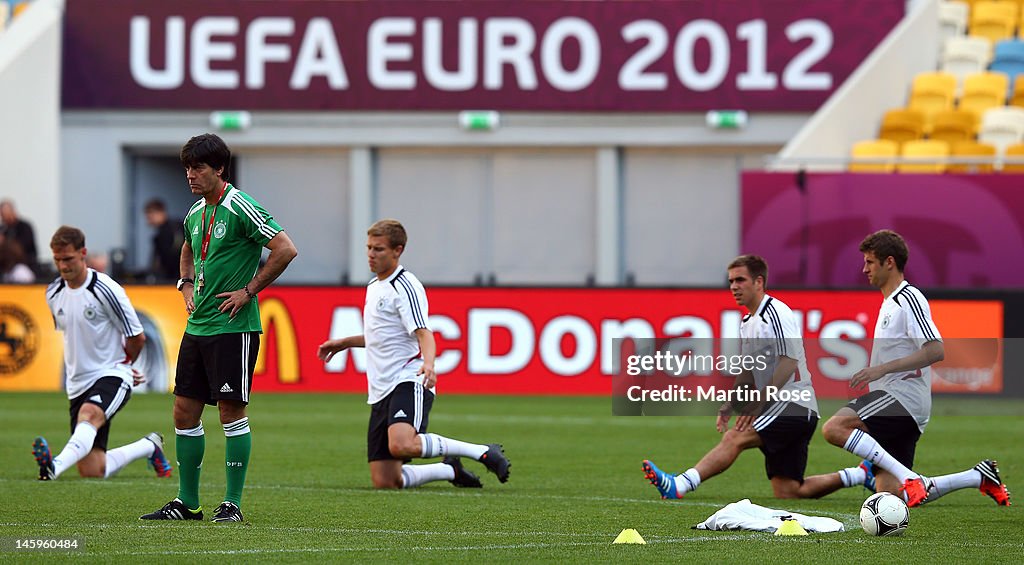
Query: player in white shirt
(884,425)
(400,352)
(102,337)
(781,429)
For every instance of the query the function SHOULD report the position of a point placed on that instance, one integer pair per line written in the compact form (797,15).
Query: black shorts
(216,367)
(889,423)
(409,403)
(110,394)
(786,430)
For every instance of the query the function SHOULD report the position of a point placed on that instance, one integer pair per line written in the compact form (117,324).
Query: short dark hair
(887,243)
(67,235)
(391,229)
(755,264)
(155,205)
(208,149)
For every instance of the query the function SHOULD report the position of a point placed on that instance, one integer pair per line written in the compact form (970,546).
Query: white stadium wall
(30,51)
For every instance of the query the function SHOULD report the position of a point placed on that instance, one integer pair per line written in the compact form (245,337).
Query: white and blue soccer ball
(884,514)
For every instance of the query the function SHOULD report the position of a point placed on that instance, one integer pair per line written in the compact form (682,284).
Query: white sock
(416,475)
(440,446)
(853,476)
(948,483)
(79,445)
(864,446)
(687,481)
(118,458)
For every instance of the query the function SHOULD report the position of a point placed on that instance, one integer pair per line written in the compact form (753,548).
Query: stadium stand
(932,92)
(1017,98)
(963,56)
(18,8)
(995,20)
(902,125)
(874,156)
(923,156)
(1009,59)
(983,91)
(953,18)
(1002,127)
(1014,151)
(953,126)
(972,150)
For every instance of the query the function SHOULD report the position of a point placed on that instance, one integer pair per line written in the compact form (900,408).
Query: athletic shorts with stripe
(110,394)
(409,403)
(786,430)
(216,367)
(889,423)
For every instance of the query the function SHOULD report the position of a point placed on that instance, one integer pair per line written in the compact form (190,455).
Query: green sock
(236,457)
(190,462)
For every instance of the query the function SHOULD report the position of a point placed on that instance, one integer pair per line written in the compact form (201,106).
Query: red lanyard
(209,228)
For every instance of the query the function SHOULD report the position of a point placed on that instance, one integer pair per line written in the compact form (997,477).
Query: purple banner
(964,231)
(543,55)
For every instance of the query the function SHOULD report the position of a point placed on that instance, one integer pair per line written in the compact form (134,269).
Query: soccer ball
(884,514)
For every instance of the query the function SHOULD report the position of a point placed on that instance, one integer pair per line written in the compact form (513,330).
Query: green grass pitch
(575,483)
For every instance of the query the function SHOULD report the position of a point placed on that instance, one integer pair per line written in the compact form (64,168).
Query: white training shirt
(904,325)
(395,308)
(773,330)
(96,318)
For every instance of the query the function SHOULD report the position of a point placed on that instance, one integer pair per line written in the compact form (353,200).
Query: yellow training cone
(791,528)
(629,536)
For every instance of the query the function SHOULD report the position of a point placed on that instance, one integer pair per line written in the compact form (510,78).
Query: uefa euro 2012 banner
(410,55)
(518,341)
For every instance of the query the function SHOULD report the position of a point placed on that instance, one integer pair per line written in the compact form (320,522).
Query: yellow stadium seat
(19,8)
(1018,93)
(983,91)
(932,92)
(881,154)
(924,155)
(1014,151)
(952,126)
(901,125)
(973,150)
(994,20)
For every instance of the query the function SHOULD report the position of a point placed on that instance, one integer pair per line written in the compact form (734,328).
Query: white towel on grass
(744,515)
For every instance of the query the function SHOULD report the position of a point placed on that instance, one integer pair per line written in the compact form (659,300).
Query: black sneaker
(496,462)
(227,512)
(463,478)
(41,451)
(174,510)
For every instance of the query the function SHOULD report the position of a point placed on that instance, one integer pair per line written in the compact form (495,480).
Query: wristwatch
(183,281)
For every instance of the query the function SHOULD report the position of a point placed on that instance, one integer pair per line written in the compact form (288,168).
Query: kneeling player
(102,337)
(400,351)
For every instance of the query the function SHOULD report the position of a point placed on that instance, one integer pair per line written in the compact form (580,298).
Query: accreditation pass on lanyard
(206,238)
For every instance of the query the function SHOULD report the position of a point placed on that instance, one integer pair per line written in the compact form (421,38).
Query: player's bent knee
(404,449)
(387,482)
(836,431)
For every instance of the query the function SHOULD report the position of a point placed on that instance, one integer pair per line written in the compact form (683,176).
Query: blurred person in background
(167,241)
(19,230)
(13,267)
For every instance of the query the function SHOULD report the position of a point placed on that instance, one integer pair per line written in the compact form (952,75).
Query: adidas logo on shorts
(226,388)
(400,414)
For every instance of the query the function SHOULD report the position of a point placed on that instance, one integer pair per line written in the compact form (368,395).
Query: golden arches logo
(275,315)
